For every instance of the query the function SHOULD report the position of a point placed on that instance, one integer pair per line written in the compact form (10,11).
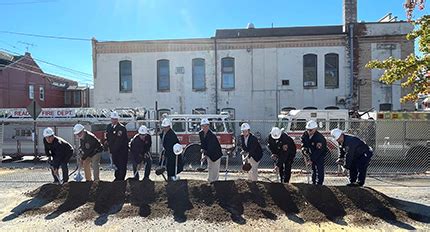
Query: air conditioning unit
(340,100)
(309,83)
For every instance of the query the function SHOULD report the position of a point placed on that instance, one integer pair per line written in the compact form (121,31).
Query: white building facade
(253,73)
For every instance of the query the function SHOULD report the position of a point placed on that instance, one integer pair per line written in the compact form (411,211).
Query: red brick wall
(14,90)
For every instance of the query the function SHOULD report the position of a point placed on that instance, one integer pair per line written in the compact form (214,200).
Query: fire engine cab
(187,128)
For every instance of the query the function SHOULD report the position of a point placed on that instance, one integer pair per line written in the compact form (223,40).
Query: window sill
(125,91)
(332,87)
(229,89)
(163,91)
(199,90)
(310,87)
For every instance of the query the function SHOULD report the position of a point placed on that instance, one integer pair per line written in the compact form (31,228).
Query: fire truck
(17,127)
(187,127)
(395,136)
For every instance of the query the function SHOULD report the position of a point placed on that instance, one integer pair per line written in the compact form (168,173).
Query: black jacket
(275,146)
(90,145)
(253,147)
(117,138)
(353,148)
(139,147)
(210,145)
(169,140)
(60,150)
(317,145)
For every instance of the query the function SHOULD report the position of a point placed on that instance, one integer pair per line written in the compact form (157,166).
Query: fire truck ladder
(1,141)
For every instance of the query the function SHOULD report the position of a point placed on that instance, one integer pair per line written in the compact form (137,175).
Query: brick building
(22,80)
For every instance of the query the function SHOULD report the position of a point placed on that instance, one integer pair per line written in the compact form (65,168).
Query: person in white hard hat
(315,145)
(355,155)
(117,141)
(252,147)
(211,150)
(169,139)
(91,148)
(59,152)
(283,151)
(140,149)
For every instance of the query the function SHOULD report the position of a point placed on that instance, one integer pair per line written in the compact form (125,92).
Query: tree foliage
(413,71)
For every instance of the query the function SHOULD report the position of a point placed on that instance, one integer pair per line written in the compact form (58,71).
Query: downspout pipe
(216,75)
(351,61)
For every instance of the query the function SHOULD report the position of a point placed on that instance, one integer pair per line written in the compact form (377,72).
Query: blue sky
(156,19)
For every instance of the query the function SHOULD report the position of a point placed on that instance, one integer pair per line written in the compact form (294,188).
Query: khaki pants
(253,173)
(93,162)
(213,169)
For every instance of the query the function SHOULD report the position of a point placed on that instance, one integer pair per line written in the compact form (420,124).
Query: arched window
(331,70)
(163,75)
(227,73)
(125,76)
(310,71)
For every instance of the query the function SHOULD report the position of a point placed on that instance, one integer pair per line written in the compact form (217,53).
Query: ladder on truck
(1,141)
(72,114)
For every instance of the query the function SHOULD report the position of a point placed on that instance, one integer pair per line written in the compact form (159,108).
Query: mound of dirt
(222,201)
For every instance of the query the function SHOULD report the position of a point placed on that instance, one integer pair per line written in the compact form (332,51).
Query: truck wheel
(418,158)
(192,156)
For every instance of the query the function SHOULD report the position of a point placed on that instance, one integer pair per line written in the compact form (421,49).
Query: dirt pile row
(222,201)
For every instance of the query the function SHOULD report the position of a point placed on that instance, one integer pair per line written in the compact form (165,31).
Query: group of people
(354,154)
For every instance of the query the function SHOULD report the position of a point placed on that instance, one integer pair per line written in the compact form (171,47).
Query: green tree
(413,71)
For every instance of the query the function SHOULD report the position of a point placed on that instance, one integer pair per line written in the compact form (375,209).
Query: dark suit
(118,145)
(169,140)
(284,158)
(139,149)
(210,145)
(253,147)
(317,147)
(357,155)
(61,151)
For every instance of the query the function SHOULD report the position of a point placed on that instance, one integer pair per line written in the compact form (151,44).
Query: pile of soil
(223,201)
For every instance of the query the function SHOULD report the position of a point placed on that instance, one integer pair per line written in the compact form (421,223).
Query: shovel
(78,176)
(201,168)
(161,169)
(60,181)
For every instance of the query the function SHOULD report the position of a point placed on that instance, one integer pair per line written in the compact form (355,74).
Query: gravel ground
(410,191)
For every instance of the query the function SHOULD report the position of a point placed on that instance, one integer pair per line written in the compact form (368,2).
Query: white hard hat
(166,122)
(177,149)
(114,115)
(276,133)
(204,121)
(245,126)
(336,133)
(143,130)
(311,124)
(48,132)
(78,128)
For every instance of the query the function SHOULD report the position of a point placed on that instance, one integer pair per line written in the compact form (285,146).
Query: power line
(34,72)
(46,36)
(56,65)
(89,77)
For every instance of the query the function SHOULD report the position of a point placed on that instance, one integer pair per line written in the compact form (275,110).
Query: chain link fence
(400,146)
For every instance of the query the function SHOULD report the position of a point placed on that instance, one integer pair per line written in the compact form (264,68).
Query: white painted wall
(258,92)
